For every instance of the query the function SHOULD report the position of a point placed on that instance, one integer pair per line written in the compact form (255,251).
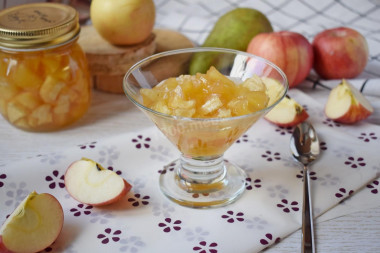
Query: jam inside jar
(45,83)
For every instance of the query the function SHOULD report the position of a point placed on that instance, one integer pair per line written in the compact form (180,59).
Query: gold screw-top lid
(37,26)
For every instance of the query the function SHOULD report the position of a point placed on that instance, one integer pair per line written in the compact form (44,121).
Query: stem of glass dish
(201,175)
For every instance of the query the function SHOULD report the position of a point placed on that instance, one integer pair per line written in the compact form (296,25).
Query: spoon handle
(307,216)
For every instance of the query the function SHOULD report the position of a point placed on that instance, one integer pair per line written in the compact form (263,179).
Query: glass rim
(196,50)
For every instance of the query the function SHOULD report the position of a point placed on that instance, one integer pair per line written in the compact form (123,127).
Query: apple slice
(89,183)
(287,113)
(347,105)
(34,225)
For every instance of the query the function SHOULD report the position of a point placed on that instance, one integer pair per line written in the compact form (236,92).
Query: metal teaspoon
(304,145)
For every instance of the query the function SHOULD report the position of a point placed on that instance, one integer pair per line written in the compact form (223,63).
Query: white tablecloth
(112,118)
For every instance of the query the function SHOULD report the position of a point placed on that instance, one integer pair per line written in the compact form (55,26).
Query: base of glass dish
(213,188)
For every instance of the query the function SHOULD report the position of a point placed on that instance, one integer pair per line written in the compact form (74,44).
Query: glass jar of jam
(44,78)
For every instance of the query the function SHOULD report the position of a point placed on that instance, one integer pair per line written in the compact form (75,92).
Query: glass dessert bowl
(157,85)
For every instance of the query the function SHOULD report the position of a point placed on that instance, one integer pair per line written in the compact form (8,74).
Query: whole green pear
(233,30)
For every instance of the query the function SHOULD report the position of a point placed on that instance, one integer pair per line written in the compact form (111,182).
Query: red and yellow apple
(347,105)
(90,183)
(339,53)
(290,51)
(287,113)
(123,22)
(34,225)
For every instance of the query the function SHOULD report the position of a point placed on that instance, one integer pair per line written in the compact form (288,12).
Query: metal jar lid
(37,26)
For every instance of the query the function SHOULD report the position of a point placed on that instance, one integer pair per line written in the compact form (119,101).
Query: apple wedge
(347,105)
(287,113)
(90,183)
(34,225)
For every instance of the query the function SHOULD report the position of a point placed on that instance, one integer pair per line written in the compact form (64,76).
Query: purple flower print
(81,208)
(231,217)
(343,193)
(87,145)
(204,247)
(131,244)
(270,157)
(2,177)
(242,139)
(56,180)
(108,234)
(331,123)
(138,199)
(284,130)
(141,142)
(355,163)
(323,145)
(269,239)
(169,167)
(168,225)
(117,172)
(374,186)
(367,137)
(248,183)
(286,206)
(312,175)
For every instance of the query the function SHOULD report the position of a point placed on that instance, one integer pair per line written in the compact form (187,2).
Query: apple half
(89,183)
(34,225)
(347,105)
(287,113)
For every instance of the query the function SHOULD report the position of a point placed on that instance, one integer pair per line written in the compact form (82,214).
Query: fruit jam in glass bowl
(203,114)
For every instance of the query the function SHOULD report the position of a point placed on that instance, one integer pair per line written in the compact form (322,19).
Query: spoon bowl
(304,145)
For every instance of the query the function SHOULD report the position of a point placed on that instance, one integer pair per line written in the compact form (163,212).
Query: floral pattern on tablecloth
(146,221)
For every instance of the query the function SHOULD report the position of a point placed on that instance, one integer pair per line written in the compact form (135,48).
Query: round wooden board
(109,63)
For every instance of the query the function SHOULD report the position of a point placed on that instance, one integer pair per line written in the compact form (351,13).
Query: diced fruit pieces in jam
(26,78)
(42,115)
(16,111)
(50,89)
(255,83)
(211,105)
(206,96)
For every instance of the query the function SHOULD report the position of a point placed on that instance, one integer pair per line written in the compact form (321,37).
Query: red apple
(34,225)
(89,183)
(290,51)
(340,53)
(287,113)
(346,104)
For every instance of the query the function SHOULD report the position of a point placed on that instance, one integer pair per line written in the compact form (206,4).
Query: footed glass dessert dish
(203,107)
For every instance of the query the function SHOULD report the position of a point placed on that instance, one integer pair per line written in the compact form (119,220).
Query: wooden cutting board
(109,63)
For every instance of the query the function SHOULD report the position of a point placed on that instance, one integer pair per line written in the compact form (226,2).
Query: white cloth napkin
(146,221)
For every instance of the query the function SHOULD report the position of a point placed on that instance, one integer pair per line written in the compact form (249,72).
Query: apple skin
(347,105)
(290,51)
(123,22)
(339,53)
